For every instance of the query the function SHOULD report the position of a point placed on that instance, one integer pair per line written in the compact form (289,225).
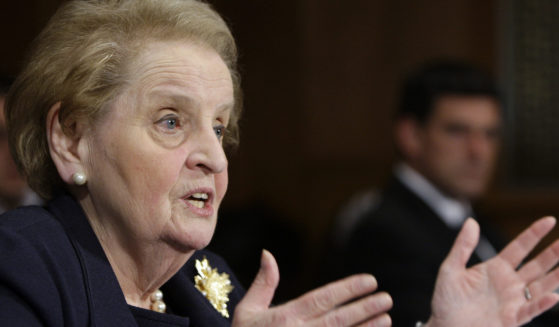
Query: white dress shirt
(451,211)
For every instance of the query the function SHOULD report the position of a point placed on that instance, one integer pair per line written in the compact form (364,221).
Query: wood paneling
(321,79)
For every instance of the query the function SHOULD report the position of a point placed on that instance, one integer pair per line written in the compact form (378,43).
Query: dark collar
(108,306)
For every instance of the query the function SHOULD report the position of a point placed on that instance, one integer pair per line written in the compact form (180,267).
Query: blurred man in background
(447,132)
(13,189)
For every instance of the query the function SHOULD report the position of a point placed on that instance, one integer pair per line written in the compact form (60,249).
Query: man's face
(12,186)
(458,144)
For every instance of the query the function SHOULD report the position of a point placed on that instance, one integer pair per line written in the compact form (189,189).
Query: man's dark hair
(439,78)
(5,83)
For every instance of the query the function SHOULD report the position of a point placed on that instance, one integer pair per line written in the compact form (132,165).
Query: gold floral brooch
(213,285)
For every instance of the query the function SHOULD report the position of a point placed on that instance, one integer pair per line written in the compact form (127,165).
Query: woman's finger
(519,248)
(370,311)
(464,246)
(383,320)
(540,265)
(324,299)
(536,307)
(261,292)
(549,283)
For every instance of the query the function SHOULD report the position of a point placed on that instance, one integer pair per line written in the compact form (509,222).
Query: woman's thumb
(260,294)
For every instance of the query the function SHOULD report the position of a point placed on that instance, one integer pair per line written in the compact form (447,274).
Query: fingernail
(385,320)
(264,253)
(387,299)
(381,301)
(369,281)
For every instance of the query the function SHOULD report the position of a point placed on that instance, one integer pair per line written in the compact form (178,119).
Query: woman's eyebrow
(226,107)
(169,95)
(183,98)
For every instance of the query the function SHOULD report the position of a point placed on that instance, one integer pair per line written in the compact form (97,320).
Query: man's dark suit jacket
(53,272)
(403,242)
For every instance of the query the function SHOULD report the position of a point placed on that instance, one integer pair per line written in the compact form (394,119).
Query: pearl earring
(79,178)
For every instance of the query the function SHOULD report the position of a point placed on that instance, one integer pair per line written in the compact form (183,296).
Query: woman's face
(156,167)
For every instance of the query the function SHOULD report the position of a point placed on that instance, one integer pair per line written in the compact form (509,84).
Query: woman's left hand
(329,305)
(495,293)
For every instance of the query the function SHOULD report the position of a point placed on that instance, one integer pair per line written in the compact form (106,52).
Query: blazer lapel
(107,304)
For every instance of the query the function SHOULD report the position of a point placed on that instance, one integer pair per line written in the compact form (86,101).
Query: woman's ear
(63,147)
(408,137)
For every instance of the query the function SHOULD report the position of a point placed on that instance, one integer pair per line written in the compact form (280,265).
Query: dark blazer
(402,242)
(53,272)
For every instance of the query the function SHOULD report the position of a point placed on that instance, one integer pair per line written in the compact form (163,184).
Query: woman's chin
(191,239)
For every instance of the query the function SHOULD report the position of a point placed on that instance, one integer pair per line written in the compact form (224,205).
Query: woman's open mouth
(198,200)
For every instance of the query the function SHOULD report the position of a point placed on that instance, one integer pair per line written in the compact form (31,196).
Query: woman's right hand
(325,306)
(499,292)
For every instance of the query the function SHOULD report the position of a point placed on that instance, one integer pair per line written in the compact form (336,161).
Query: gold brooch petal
(213,285)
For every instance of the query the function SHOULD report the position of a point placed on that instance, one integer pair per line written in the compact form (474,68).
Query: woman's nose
(207,153)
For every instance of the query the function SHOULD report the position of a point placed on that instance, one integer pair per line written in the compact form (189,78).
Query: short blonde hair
(80,60)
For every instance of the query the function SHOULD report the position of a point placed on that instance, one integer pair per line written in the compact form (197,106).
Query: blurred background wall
(321,79)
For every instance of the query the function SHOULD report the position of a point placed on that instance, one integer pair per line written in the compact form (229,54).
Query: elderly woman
(119,120)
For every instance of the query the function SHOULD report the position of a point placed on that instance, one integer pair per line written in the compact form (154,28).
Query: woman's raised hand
(326,306)
(496,293)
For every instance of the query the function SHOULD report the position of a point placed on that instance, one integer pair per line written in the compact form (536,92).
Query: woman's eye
(219,131)
(169,123)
